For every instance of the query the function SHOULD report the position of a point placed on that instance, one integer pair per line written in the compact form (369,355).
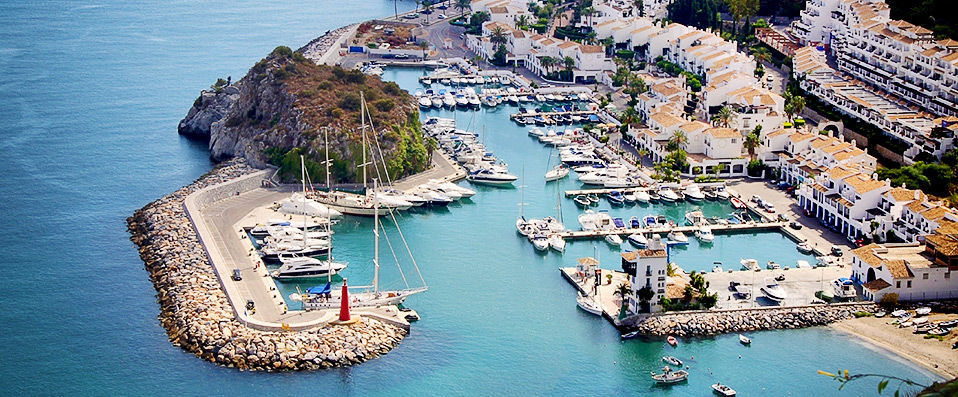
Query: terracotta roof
(777,133)
(568,44)
(863,184)
(902,194)
(799,137)
(838,173)
(591,49)
(876,285)
(647,253)
(666,119)
(898,269)
(630,255)
(947,244)
(724,133)
(498,10)
(588,261)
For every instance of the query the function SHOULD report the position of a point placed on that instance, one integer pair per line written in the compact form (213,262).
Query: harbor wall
(195,309)
(713,322)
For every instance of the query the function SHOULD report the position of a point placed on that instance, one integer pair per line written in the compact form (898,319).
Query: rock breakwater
(729,321)
(198,316)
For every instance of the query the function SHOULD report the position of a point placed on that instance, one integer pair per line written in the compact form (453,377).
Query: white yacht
(557,242)
(721,193)
(306,267)
(704,234)
(589,303)
(299,204)
(693,193)
(491,177)
(425,102)
(677,238)
(556,173)
(844,288)
(642,196)
(772,290)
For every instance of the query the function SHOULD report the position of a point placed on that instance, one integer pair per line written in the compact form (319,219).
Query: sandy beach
(935,355)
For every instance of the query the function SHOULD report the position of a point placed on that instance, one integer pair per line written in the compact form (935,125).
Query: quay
(745,227)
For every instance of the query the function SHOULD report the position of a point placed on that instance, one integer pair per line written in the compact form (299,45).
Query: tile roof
(724,133)
(902,194)
(666,119)
(876,285)
(863,184)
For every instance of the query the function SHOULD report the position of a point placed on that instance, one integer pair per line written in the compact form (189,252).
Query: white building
(647,268)
(914,271)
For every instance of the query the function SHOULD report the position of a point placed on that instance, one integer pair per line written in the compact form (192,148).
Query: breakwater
(197,314)
(703,323)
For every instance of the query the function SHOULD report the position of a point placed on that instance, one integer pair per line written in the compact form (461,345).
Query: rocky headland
(704,323)
(197,315)
(286,103)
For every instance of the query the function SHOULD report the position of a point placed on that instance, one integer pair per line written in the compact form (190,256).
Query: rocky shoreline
(198,316)
(746,320)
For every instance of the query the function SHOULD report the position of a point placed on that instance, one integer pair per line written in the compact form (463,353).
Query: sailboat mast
(376,239)
(326,138)
(362,116)
(302,166)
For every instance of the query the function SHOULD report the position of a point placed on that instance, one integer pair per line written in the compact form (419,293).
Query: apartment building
(913,271)
(647,268)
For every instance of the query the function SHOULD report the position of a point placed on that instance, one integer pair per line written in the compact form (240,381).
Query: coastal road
(443,169)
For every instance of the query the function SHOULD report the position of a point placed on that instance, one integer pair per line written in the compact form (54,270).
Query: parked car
(441,16)
(250,305)
(782,218)
(795,225)
(756,199)
(769,207)
(236,275)
(402,56)
(836,250)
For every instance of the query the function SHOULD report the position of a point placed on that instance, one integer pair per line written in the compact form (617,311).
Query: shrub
(282,51)
(889,301)
(372,45)
(860,314)
(350,102)
(384,105)
(324,85)
(604,139)
(391,88)
(625,54)
(354,77)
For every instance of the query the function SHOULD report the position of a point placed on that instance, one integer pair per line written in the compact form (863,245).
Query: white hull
(588,304)
(362,299)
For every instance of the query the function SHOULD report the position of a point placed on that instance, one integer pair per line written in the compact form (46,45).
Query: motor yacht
(677,238)
(300,267)
(556,173)
(489,176)
(666,194)
(695,218)
(844,288)
(803,247)
(773,290)
(750,264)
(639,240)
(425,102)
(642,196)
(613,239)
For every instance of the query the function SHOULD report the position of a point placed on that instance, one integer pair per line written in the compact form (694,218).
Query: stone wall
(701,323)
(194,308)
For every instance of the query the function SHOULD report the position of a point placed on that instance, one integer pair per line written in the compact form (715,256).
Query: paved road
(443,169)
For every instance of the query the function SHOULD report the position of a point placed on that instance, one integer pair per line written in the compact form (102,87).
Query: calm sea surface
(90,94)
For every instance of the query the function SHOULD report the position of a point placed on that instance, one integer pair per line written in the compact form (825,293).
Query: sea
(90,96)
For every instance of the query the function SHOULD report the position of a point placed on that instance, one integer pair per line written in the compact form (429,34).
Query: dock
(744,227)
(610,302)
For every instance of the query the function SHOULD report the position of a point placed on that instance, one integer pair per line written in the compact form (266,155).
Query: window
(909,283)
(897,284)
(947,274)
(924,276)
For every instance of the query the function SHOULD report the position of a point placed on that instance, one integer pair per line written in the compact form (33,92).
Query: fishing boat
(589,303)
(803,247)
(750,264)
(744,339)
(556,173)
(639,240)
(773,290)
(629,335)
(582,201)
(613,239)
(723,390)
(668,376)
(677,238)
(672,360)
(672,341)
(704,234)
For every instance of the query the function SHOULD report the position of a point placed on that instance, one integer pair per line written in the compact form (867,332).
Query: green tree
(794,104)
(462,5)
(522,21)
(723,117)
(761,54)
(677,141)
(645,295)
(423,46)
(569,63)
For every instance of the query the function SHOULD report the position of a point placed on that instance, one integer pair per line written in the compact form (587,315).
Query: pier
(745,227)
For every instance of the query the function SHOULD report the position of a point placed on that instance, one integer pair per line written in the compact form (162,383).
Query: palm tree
(677,140)
(569,63)
(608,42)
(462,5)
(522,21)
(751,143)
(645,295)
(719,168)
(629,116)
(723,117)
(794,105)
(547,62)
(498,35)
(643,153)
(761,54)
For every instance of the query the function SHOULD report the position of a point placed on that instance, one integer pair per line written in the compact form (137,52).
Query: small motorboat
(803,247)
(772,265)
(557,243)
(693,193)
(540,242)
(774,291)
(922,311)
(672,341)
(677,238)
(594,198)
(744,339)
(613,239)
(582,201)
(704,234)
(723,390)
(717,267)
(629,198)
(589,304)
(615,198)
(668,376)
(618,222)
(634,222)
(750,264)
(880,314)
(639,240)
(642,196)
(736,203)
(672,360)
(629,335)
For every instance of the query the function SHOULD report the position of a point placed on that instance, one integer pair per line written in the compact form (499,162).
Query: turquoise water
(91,94)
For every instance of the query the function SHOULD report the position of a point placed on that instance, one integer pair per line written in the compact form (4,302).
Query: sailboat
(590,303)
(299,267)
(364,296)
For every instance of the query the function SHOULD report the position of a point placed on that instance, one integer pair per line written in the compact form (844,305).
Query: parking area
(799,284)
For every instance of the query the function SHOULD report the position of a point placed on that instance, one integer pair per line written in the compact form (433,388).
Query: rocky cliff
(286,102)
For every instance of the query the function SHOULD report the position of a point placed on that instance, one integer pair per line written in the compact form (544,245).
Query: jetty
(743,227)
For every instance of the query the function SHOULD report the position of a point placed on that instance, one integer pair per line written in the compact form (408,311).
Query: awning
(320,290)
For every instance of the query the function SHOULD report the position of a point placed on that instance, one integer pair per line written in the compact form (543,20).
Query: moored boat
(668,376)
(723,390)
(589,303)
(744,339)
